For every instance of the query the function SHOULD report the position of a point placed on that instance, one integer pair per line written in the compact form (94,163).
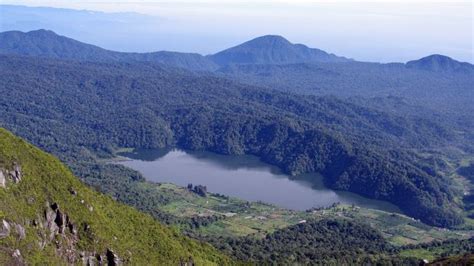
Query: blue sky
(381,31)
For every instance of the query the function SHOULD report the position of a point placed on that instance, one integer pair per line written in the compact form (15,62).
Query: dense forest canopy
(67,107)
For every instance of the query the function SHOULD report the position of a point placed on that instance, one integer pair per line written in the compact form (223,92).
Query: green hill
(47,216)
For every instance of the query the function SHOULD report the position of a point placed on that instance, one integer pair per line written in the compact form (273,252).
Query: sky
(376,31)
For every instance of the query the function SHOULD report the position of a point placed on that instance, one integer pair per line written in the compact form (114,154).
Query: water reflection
(245,177)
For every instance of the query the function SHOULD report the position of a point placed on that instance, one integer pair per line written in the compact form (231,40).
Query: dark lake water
(245,177)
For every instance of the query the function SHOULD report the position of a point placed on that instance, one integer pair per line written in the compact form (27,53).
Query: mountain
(47,216)
(81,110)
(46,43)
(440,63)
(262,50)
(272,49)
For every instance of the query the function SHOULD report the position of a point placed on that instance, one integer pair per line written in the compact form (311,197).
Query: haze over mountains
(155,28)
(272,49)
(441,63)
(273,62)
(269,49)
(48,44)
(265,50)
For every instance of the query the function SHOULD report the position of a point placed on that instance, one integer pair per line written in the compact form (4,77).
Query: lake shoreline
(243,176)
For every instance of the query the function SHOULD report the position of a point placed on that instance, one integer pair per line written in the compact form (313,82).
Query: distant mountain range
(265,50)
(46,43)
(272,49)
(440,63)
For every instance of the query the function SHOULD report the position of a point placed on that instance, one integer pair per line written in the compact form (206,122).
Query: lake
(245,177)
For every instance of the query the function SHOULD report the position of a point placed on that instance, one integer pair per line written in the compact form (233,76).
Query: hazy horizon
(366,31)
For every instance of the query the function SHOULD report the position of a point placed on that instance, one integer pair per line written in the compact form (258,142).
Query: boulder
(89,260)
(16,174)
(21,232)
(18,260)
(3,180)
(112,258)
(72,191)
(50,217)
(4,229)
(188,262)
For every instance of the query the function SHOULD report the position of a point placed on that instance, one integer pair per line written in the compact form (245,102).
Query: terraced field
(240,218)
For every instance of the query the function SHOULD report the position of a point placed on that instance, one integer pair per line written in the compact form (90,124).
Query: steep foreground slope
(49,216)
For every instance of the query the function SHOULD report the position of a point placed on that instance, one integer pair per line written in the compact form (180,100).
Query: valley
(220,216)
(218,154)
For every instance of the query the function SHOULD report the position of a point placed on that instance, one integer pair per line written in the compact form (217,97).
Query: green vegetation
(247,231)
(94,223)
(466,259)
(221,220)
(387,148)
(319,242)
(439,249)
(236,217)
(96,108)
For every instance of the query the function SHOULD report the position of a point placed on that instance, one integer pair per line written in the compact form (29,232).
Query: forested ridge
(331,242)
(446,92)
(84,110)
(46,43)
(323,242)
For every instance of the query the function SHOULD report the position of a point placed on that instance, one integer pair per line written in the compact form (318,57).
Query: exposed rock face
(58,222)
(14,175)
(7,229)
(63,232)
(50,217)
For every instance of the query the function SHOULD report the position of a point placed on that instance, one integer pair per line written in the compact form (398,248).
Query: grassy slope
(132,235)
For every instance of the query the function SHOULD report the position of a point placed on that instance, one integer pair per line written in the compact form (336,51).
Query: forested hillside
(324,242)
(445,91)
(45,43)
(49,217)
(81,110)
